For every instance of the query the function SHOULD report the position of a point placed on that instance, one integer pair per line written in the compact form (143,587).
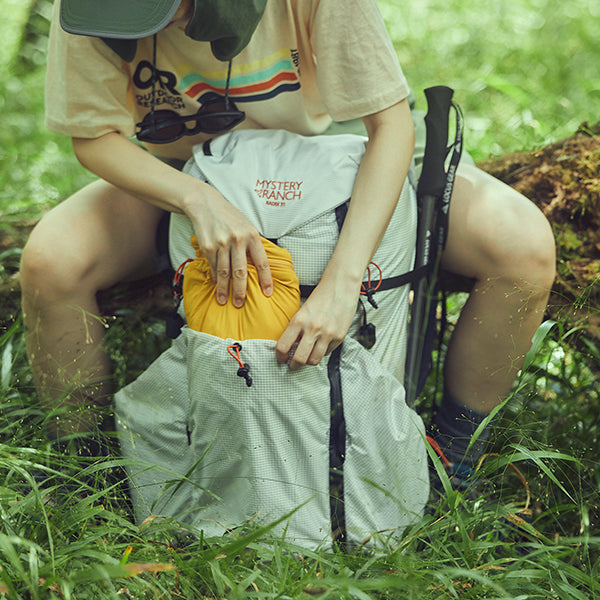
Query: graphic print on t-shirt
(159,87)
(251,82)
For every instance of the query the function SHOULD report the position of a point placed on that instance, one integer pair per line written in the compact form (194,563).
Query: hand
(229,242)
(319,326)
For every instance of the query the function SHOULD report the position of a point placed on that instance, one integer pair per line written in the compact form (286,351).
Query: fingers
(258,255)
(285,343)
(239,275)
(319,326)
(221,269)
(230,270)
(311,345)
(229,241)
(311,352)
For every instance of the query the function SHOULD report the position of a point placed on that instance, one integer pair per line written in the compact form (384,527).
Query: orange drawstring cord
(177,280)
(438,450)
(370,290)
(244,369)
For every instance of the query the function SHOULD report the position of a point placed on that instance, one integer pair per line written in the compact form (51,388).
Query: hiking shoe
(461,477)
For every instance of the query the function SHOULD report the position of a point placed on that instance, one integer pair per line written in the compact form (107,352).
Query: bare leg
(96,238)
(504,242)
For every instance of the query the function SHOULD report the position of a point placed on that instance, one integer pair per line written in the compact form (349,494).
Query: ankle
(453,427)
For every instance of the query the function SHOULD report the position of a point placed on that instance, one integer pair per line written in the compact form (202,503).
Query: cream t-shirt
(309,62)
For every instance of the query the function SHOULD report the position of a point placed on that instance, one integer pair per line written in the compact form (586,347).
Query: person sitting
(297,66)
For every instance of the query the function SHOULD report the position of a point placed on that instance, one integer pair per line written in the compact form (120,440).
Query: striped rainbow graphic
(259,80)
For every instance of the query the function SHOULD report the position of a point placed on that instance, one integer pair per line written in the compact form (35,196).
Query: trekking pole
(433,197)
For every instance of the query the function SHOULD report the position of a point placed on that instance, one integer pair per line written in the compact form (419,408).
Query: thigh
(493,229)
(99,236)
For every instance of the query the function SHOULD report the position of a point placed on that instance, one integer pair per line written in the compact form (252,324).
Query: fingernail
(221,298)
(237,302)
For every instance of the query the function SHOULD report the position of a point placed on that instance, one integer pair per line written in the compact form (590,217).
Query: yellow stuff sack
(261,317)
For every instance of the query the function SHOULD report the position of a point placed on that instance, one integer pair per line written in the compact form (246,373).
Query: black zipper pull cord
(366,335)
(244,370)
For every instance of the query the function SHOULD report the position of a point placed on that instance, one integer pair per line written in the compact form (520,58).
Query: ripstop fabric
(207,449)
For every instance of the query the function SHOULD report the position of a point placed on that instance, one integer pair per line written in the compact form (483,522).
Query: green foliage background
(526,73)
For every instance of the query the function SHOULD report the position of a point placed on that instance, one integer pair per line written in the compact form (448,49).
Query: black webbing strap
(162,259)
(337,450)
(206,149)
(389,283)
(340,214)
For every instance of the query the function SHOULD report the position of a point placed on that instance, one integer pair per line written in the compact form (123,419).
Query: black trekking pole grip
(433,174)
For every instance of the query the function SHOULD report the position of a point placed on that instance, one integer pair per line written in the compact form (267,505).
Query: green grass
(525,74)
(66,524)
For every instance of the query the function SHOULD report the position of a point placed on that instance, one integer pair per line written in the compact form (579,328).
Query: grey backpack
(332,448)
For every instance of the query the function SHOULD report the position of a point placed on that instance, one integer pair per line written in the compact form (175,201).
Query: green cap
(227,24)
(118,19)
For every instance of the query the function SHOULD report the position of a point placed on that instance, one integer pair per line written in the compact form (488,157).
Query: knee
(54,267)
(530,252)
(495,232)
(511,238)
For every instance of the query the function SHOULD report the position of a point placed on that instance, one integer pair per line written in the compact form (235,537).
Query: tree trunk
(563,179)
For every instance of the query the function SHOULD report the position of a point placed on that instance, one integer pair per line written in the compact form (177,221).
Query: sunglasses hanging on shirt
(216,114)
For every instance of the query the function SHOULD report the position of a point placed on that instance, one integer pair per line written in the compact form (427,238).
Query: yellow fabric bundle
(260,317)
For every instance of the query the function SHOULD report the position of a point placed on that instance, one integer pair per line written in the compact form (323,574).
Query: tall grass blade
(538,338)
(6,364)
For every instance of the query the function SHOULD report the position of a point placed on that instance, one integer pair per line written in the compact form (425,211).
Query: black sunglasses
(216,114)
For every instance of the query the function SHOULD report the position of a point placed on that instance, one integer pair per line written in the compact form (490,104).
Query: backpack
(218,435)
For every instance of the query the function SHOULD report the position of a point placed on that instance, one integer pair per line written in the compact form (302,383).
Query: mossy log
(562,179)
